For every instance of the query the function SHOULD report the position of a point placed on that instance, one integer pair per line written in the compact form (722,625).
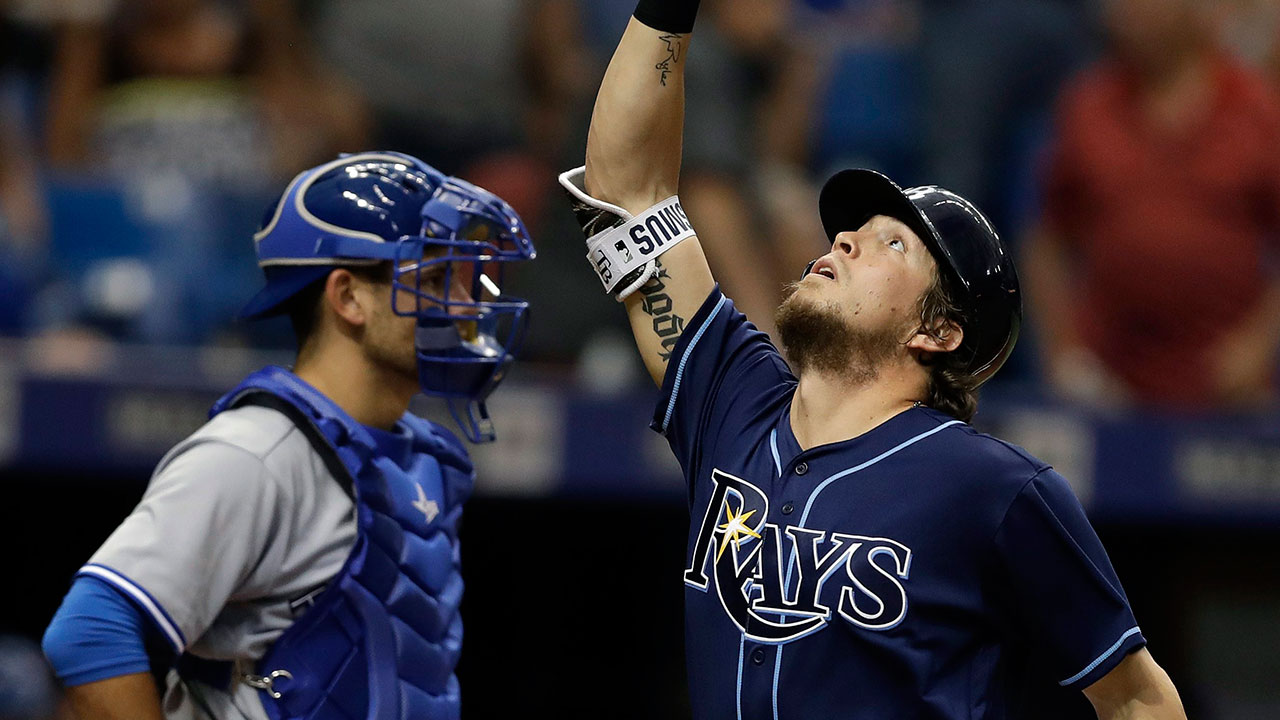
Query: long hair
(952,388)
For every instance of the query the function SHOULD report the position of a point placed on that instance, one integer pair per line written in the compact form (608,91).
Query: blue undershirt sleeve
(96,634)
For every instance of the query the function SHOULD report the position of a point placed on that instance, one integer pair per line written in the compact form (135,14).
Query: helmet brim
(283,282)
(852,197)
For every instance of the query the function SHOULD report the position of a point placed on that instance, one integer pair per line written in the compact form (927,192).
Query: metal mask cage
(455,268)
(463,316)
(450,278)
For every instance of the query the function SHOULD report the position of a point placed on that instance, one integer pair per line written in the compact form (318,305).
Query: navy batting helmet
(448,241)
(967,248)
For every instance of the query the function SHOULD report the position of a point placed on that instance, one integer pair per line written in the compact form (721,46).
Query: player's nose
(846,243)
(458,291)
(460,296)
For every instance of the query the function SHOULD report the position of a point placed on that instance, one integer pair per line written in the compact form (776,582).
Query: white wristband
(629,251)
(642,239)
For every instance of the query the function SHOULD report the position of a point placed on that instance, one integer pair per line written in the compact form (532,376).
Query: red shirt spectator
(1169,228)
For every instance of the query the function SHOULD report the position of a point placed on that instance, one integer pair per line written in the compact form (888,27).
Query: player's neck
(359,387)
(826,409)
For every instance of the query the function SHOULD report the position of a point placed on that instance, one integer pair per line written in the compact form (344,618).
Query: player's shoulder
(980,457)
(257,430)
(250,435)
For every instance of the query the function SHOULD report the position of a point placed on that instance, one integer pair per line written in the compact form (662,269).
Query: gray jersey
(241,524)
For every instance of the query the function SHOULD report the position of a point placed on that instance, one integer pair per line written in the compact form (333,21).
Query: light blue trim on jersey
(742,645)
(804,517)
(777,670)
(1102,658)
(675,386)
(773,445)
(143,598)
(891,451)
(791,560)
(777,660)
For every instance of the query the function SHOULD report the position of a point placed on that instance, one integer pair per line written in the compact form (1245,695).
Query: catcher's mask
(448,241)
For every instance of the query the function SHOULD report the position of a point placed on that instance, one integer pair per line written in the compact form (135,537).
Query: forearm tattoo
(657,304)
(675,44)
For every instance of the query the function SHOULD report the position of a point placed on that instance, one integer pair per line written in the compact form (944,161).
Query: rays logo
(756,589)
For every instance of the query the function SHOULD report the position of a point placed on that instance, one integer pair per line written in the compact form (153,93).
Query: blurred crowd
(1129,150)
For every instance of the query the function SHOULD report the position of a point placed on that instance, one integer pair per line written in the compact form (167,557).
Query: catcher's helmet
(963,242)
(448,241)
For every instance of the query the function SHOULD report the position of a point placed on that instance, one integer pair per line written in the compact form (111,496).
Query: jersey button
(757,656)
(788,507)
(802,468)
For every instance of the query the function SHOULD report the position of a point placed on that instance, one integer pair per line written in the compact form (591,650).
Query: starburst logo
(735,529)
(864,577)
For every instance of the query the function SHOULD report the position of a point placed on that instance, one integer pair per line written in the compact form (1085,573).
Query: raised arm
(633,161)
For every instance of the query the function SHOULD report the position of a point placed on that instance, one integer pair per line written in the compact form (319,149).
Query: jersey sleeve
(721,367)
(200,530)
(1066,600)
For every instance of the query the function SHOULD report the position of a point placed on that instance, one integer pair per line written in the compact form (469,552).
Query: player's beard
(818,338)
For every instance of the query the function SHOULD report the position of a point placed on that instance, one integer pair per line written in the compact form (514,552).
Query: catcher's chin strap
(472,417)
(622,249)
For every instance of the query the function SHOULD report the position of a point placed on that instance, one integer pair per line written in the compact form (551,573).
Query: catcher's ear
(347,297)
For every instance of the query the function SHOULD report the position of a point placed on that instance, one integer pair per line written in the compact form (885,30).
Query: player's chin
(805,285)
(407,366)
(401,360)
(813,288)
(803,299)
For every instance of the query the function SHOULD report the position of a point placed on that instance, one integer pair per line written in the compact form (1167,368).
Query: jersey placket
(760,663)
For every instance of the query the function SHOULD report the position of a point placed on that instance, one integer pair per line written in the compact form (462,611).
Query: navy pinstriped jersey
(920,570)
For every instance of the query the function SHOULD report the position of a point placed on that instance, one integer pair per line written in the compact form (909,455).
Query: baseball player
(856,550)
(297,557)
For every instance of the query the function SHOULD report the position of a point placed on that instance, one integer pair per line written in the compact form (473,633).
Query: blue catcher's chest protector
(382,640)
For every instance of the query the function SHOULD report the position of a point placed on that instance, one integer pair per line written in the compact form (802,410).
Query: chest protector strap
(383,639)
